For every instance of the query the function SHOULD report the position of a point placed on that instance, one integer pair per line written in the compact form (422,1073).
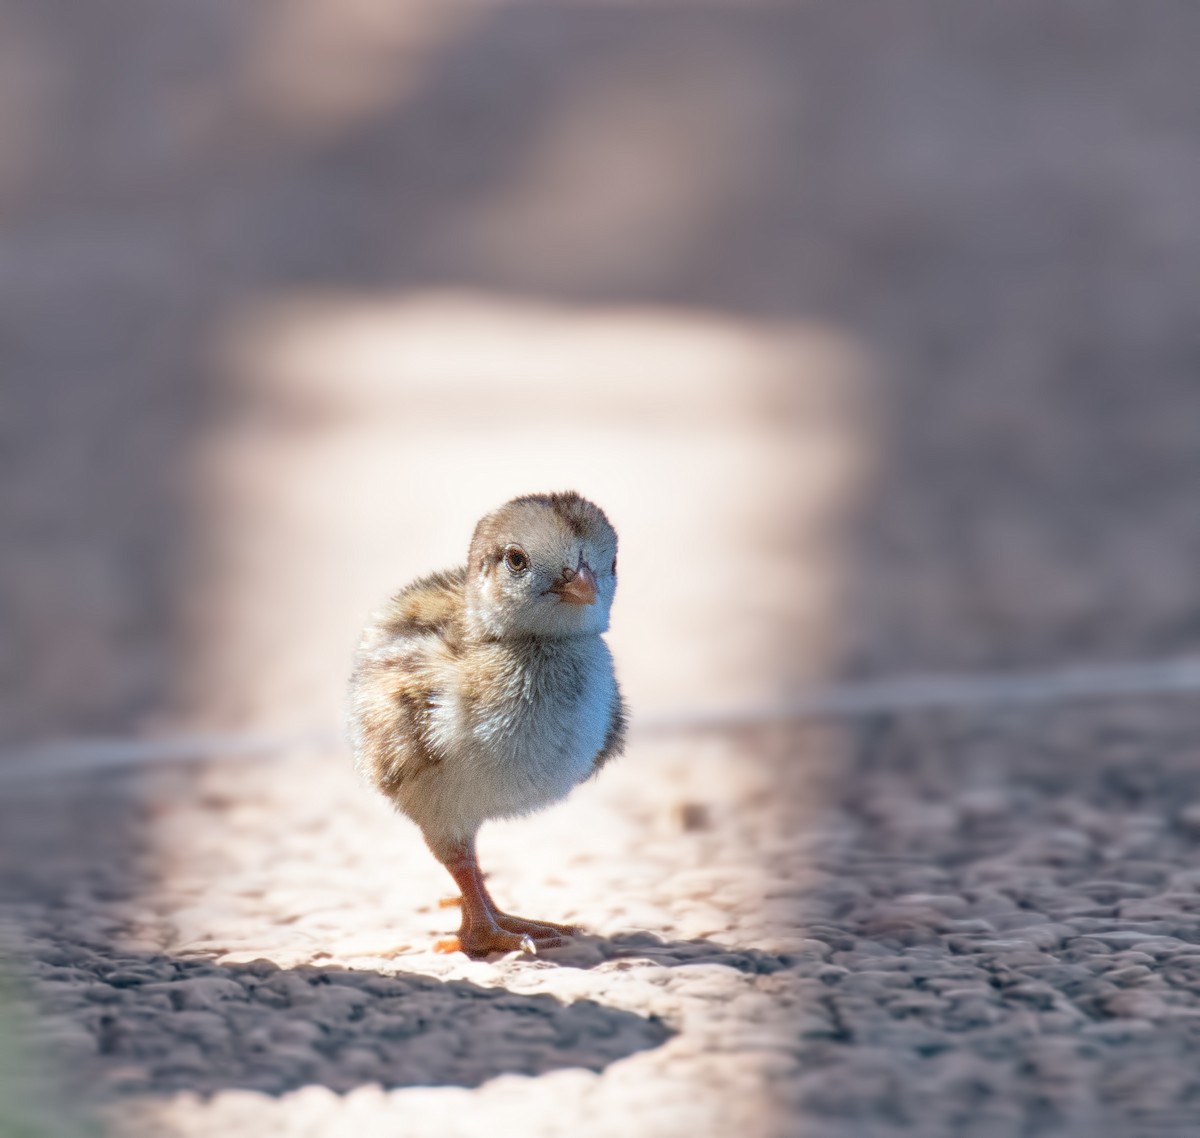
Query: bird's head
(544,565)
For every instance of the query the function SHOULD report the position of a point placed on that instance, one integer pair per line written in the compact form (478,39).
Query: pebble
(1128,976)
(1188,819)
(1135,1004)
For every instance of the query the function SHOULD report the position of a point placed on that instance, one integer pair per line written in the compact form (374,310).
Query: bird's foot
(483,940)
(504,933)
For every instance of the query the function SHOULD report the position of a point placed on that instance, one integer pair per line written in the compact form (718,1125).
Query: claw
(527,945)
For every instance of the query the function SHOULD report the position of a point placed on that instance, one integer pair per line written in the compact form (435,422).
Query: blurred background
(873,328)
(874,331)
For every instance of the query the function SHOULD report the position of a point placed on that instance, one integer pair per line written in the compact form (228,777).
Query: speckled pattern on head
(579,518)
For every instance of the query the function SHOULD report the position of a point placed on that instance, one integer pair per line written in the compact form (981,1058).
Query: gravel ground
(964,935)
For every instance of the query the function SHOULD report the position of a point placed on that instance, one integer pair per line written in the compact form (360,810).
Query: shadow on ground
(151,1023)
(162,1024)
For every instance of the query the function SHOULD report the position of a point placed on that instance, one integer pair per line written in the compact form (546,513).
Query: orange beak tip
(581,589)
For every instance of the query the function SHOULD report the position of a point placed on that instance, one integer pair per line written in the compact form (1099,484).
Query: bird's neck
(487,626)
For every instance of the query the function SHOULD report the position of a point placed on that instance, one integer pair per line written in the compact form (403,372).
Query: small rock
(200,993)
(693,816)
(970,925)
(206,1028)
(949,904)
(1120,1030)
(1136,1004)
(1129,976)
(1188,819)
(984,805)
(1164,947)
(838,939)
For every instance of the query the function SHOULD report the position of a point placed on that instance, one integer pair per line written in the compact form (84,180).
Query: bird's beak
(578,586)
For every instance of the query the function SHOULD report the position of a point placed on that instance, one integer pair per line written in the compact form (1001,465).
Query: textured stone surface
(857,967)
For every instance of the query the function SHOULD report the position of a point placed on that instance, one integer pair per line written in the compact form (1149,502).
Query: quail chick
(488,692)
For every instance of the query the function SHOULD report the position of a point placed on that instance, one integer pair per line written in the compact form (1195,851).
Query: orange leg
(485,929)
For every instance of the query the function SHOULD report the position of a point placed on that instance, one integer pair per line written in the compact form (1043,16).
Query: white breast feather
(529,752)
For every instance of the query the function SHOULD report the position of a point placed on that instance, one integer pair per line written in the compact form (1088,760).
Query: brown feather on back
(392,688)
(431,606)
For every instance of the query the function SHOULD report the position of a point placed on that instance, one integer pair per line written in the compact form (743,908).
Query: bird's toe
(479,942)
(539,930)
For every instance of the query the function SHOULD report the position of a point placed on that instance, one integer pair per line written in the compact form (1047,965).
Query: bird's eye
(516,559)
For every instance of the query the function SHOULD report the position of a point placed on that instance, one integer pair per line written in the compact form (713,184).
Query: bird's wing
(433,606)
(399,669)
(614,739)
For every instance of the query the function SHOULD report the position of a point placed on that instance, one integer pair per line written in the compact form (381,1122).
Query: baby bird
(488,692)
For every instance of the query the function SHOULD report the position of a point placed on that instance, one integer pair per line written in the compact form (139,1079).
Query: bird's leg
(539,930)
(480,933)
(484,927)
